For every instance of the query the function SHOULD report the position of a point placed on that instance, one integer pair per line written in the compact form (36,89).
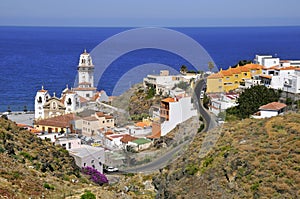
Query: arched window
(40,99)
(69,101)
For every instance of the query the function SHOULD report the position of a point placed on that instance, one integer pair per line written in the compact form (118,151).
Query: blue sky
(166,13)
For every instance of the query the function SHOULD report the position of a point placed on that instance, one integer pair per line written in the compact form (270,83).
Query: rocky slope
(251,159)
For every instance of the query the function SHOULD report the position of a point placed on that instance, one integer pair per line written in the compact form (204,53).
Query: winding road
(166,158)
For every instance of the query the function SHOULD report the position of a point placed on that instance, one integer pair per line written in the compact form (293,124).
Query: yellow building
(230,79)
(56,124)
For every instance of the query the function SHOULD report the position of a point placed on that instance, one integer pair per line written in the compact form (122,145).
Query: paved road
(210,123)
(166,158)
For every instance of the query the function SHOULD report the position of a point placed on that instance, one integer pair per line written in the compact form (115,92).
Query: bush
(95,175)
(88,195)
(191,169)
(47,186)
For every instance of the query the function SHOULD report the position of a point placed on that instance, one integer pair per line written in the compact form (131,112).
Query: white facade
(41,98)
(179,111)
(292,83)
(89,156)
(51,136)
(68,142)
(222,102)
(85,69)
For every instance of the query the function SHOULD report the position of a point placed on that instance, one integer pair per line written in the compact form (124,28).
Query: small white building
(221,102)
(69,142)
(86,155)
(270,110)
(267,60)
(51,136)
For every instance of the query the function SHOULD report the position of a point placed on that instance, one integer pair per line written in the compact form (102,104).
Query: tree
(210,66)
(251,99)
(183,69)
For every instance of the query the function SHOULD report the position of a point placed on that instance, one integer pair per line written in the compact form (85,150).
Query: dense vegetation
(251,99)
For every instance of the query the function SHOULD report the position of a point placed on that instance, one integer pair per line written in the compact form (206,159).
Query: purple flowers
(95,175)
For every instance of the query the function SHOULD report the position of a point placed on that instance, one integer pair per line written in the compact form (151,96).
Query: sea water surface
(34,56)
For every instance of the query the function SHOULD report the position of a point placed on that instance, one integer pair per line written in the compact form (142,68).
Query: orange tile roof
(82,99)
(58,121)
(288,68)
(215,76)
(226,72)
(108,117)
(273,106)
(244,69)
(84,89)
(266,76)
(236,70)
(127,138)
(108,133)
(141,124)
(169,99)
(253,66)
(100,114)
(155,135)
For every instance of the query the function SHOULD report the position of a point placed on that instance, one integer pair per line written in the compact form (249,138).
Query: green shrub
(48,186)
(88,195)
(191,169)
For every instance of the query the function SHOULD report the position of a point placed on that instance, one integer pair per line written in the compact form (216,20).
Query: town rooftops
(273,106)
(58,121)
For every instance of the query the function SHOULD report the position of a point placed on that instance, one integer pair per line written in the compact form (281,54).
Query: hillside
(251,159)
(31,167)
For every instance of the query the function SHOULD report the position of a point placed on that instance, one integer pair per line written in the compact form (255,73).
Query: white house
(173,111)
(51,136)
(270,110)
(292,82)
(267,60)
(221,102)
(86,155)
(68,142)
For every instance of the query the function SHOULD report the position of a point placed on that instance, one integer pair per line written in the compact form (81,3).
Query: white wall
(266,114)
(179,112)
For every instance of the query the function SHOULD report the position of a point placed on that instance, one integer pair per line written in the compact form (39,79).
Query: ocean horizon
(34,56)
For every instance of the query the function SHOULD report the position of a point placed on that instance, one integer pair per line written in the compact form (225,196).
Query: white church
(71,98)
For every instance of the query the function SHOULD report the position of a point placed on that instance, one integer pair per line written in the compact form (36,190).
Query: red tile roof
(58,121)
(128,138)
(266,76)
(273,106)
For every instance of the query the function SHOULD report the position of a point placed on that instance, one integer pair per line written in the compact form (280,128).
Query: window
(84,164)
(64,146)
(220,80)
(236,76)
(87,95)
(227,78)
(92,161)
(103,122)
(100,163)
(245,74)
(69,145)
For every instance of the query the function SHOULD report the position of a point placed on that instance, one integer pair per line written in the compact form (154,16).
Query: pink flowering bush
(95,175)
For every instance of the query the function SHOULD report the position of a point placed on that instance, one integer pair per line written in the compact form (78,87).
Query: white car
(112,169)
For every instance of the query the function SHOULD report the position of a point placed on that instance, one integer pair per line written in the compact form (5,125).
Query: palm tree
(210,66)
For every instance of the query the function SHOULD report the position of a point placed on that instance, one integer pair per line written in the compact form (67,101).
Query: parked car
(112,169)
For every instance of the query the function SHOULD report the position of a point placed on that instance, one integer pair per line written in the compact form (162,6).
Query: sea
(32,57)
